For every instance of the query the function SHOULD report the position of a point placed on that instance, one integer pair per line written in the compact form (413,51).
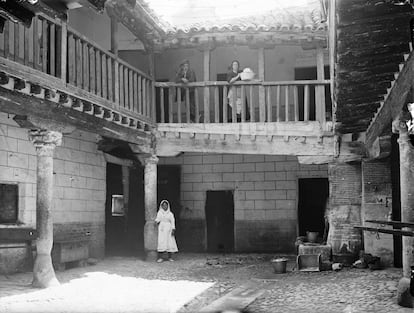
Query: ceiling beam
(393,104)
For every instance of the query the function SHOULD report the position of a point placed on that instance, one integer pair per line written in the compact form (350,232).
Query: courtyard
(196,281)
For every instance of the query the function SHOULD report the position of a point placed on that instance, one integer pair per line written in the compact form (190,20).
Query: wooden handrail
(244,83)
(242,101)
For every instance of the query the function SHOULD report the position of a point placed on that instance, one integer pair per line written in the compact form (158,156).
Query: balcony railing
(254,101)
(79,64)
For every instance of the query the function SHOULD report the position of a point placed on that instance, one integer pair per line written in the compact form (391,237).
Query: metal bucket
(279,265)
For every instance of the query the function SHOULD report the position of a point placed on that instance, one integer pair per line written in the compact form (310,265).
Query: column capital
(153,159)
(45,140)
(147,159)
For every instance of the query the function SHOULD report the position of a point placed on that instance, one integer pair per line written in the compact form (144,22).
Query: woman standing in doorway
(166,232)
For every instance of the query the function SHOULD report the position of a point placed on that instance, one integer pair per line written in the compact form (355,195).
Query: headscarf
(168,206)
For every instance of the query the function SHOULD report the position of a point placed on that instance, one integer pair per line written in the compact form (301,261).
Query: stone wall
(265,197)
(79,182)
(377,205)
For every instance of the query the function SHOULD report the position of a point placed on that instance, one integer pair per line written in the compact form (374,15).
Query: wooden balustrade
(37,47)
(105,75)
(56,49)
(284,101)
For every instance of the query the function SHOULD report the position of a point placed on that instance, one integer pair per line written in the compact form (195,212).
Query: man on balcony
(186,75)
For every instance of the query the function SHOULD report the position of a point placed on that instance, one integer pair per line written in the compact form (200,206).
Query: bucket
(279,265)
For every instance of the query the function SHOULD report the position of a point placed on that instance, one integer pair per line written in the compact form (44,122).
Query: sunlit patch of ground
(103,292)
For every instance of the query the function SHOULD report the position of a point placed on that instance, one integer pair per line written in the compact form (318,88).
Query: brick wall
(79,180)
(345,188)
(265,197)
(377,205)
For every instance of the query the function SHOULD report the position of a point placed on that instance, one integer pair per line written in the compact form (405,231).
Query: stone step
(236,299)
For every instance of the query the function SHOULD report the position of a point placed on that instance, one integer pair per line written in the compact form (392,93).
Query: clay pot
(312,236)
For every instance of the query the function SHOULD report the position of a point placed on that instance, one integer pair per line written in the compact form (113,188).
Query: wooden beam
(170,145)
(309,128)
(332,55)
(381,148)
(393,104)
(115,160)
(136,18)
(19,104)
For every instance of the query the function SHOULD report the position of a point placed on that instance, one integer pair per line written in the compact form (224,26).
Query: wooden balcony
(64,75)
(283,101)
(284,117)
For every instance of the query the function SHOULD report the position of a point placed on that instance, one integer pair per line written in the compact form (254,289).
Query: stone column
(45,143)
(150,199)
(407,197)
(407,209)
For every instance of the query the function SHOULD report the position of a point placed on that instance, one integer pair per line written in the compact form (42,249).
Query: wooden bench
(74,251)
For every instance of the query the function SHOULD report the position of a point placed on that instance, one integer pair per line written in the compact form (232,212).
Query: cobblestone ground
(132,285)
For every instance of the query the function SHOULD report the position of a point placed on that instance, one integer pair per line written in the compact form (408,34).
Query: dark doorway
(124,229)
(220,221)
(313,193)
(396,197)
(310,73)
(169,181)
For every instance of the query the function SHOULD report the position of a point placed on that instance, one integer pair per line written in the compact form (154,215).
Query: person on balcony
(166,232)
(186,75)
(234,94)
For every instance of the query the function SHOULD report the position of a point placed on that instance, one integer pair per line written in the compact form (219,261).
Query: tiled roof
(298,19)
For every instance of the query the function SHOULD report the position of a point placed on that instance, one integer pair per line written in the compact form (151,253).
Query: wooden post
(332,55)
(262,92)
(114,50)
(125,191)
(407,209)
(114,36)
(63,51)
(320,90)
(150,200)
(151,94)
(206,68)
(45,143)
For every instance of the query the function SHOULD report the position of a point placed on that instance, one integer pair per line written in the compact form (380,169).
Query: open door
(220,221)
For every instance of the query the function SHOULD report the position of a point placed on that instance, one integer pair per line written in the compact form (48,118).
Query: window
(118,205)
(9,199)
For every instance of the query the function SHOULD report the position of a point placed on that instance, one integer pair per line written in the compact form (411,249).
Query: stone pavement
(190,284)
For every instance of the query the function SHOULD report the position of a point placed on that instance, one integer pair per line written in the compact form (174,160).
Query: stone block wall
(377,205)
(79,181)
(265,197)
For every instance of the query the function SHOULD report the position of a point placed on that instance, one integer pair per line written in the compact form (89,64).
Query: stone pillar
(45,143)
(407,198)
(407,209)
(345,190)
(150,199)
